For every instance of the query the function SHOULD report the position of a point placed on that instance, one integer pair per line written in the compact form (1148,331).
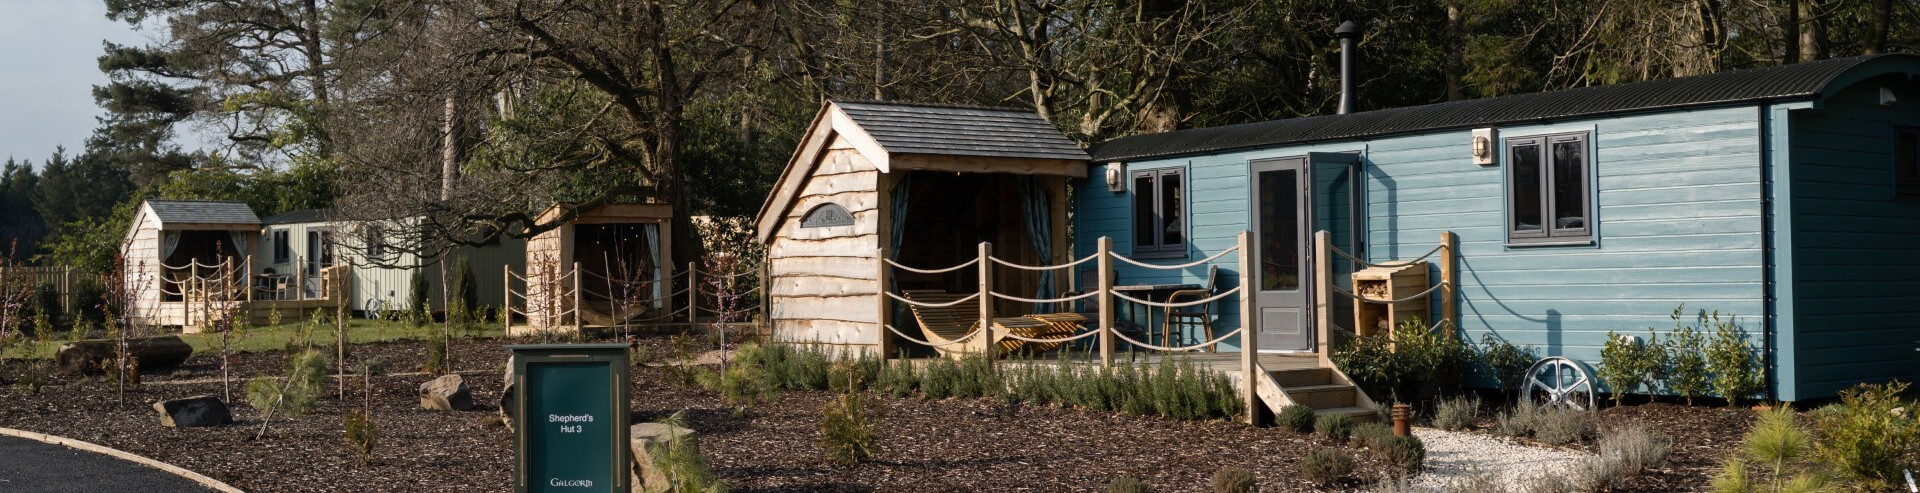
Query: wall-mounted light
(1483,146)
(1116,177)
(1886,97)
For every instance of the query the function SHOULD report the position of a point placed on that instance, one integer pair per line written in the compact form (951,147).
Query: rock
(506,395)
(199,410)
(448,393)
(646,478)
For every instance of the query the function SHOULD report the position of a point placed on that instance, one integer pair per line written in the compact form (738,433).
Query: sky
(47,73)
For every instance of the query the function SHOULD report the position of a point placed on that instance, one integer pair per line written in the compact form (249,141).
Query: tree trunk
(1456,48)
(1813,39)
(152,352)
(1877,23)
(450,155)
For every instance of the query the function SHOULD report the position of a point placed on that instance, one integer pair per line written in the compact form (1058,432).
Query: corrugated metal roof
(299,216)
(1786,82)
(914,128)
(202,212)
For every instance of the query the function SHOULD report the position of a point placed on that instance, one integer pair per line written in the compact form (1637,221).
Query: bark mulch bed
(1702,436)
(949,445)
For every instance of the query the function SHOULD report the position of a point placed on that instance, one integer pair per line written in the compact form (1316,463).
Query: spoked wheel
(1560,382)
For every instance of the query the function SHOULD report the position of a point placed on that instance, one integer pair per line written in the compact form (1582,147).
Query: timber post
(693,294)
(1323,296)
(1249,336)
(506,300)
(1104,282)
(1449,272)
(886,314)
(577,326)
(986,300)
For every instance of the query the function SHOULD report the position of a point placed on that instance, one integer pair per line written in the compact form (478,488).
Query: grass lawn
(265,338)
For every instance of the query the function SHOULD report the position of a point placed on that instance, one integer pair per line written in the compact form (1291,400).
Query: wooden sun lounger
(944,324)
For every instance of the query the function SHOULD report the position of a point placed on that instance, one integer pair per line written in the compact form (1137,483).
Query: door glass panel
(1526,187)
(1173,215)
(1143,220)
(1569,185)
(1279,230)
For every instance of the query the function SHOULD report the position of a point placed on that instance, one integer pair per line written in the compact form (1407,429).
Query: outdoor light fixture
(1116,177)
(1483,146)
(1886,97)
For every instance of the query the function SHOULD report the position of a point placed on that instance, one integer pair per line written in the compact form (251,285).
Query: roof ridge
(956,106)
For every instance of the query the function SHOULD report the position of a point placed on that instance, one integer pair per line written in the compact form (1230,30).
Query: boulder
(90,356)
(447,393)
(506,395)
(199,410)
(646,477)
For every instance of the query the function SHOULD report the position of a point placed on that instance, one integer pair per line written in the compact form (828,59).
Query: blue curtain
(1037,206)
(169,241)
(897,231)
(652,232)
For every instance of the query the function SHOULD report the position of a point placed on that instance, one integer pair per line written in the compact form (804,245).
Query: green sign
(570,418)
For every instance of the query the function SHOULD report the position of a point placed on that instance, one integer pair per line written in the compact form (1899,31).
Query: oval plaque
(824,215)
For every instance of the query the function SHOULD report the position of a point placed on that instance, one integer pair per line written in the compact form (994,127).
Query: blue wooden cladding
(1779,214)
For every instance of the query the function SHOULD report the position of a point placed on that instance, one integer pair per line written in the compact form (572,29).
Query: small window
(375,240)
(281,250)
(1159,213)
(1906,162)
(1548,197)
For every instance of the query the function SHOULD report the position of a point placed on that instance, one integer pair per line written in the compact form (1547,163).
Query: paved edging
(214,484)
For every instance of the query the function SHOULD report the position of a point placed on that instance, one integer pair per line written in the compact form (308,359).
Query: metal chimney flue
(1349,33)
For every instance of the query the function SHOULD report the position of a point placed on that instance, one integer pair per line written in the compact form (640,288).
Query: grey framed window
(281,250)
(1549,200)
(1906,162)
(1159,213)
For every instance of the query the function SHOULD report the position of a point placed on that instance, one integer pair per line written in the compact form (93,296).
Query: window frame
(1550,234)
(1906,187)
(1159,248)
(282,245)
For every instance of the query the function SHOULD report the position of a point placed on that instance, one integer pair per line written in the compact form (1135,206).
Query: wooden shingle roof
(916,128)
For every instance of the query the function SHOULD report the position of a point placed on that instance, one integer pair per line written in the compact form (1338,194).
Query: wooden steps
(1325,390)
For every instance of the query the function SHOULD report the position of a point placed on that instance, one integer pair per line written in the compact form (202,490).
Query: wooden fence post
(693,294)
(577,326)
(1104,283)
(986,299)
(1449,292)
(506,300)
(886,313)
(1323,296)
(1249,333)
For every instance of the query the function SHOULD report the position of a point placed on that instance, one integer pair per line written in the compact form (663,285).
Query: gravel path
(1452,457)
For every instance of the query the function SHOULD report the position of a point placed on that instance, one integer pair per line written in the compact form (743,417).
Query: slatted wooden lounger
(944,324)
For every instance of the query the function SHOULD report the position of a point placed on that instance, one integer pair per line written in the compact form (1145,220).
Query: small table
(1147,292)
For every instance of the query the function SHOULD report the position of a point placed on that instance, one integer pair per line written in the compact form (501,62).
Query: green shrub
(1405,453)
(680,461)
(1686,360)
(846,430)
(1781,449)
(46,303)
(362,434)
(1335,426)
(1518,422)
(1295,417)
(376,365)
(1234,479)
(1365,434)
(1565,427)
(899,378)
(299,393)
(858,373)
(1636,448)
(1505,362)
(1627,363)
(1457,413)
(1870,436)
(941,379)
(417,298)
(437,356)
(1732,360)
(89,296)
(1326,465)
(1126,484)
(1402,365)
(465,296)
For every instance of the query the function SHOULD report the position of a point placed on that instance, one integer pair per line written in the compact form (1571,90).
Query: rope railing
(1195,263)
(962,265)
(1395,263)
(976,331)
(925,304)
(1082,260)
(1077,297)
(1183,304)
(1422,294)
(1123,336)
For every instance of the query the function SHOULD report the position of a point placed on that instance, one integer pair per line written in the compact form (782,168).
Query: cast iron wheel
(1555,381)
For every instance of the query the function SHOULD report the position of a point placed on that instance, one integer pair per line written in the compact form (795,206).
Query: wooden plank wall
(823,286)
(142,270)
(1856,246)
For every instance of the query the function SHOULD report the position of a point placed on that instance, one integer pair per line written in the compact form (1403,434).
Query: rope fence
(564,301)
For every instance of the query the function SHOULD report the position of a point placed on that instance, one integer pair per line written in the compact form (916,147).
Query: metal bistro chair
(1178,320)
